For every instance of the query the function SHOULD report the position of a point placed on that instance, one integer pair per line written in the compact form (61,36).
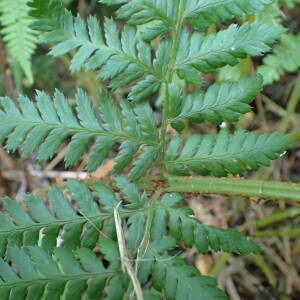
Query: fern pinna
(20,38)
(113,241)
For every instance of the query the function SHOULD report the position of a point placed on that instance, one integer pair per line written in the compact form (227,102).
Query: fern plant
(284,59)
(16,29)
(123,239)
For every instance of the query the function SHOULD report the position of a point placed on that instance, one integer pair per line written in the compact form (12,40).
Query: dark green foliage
(122,60)
(200,14)
(174,277)
(36,274)
(81,227)
(109,242)
(61,225)
(207,53)
(125,59)
(221,102)
(186,228)
(224,153)
(46,125)
(73,268)
(16,29)
(286,57)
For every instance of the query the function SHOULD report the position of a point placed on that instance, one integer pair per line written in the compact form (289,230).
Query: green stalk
(267,269)
(221,186)
(276,217)
(175,37)
(287,232)
(219,265)
(234,186)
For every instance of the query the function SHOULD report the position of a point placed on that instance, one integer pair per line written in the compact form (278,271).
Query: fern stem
(220,186)
(234,186)
(164,120)
(175,38)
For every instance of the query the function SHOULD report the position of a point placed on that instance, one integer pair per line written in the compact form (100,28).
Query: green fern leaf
(221,102)
(52,276)
(172,276)
(139,12)
(45,126)
(122,60)
(42,226)
(201,14)
(62,224)
(81,229)
(224,153)
(182,281)
(286,58)
(157,17)
(20,38)
(190,231)
(207,53)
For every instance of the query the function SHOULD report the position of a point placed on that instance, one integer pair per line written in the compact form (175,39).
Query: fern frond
(127,59)
(36,274)
(72,228)
(121,60)
(44,227)
(172,276)
(286,58)
(208,53)
(200,14)
(61,224)
(222,102)
(20,39)
(48,124)
(223,154)
(187,229)
(197,13)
